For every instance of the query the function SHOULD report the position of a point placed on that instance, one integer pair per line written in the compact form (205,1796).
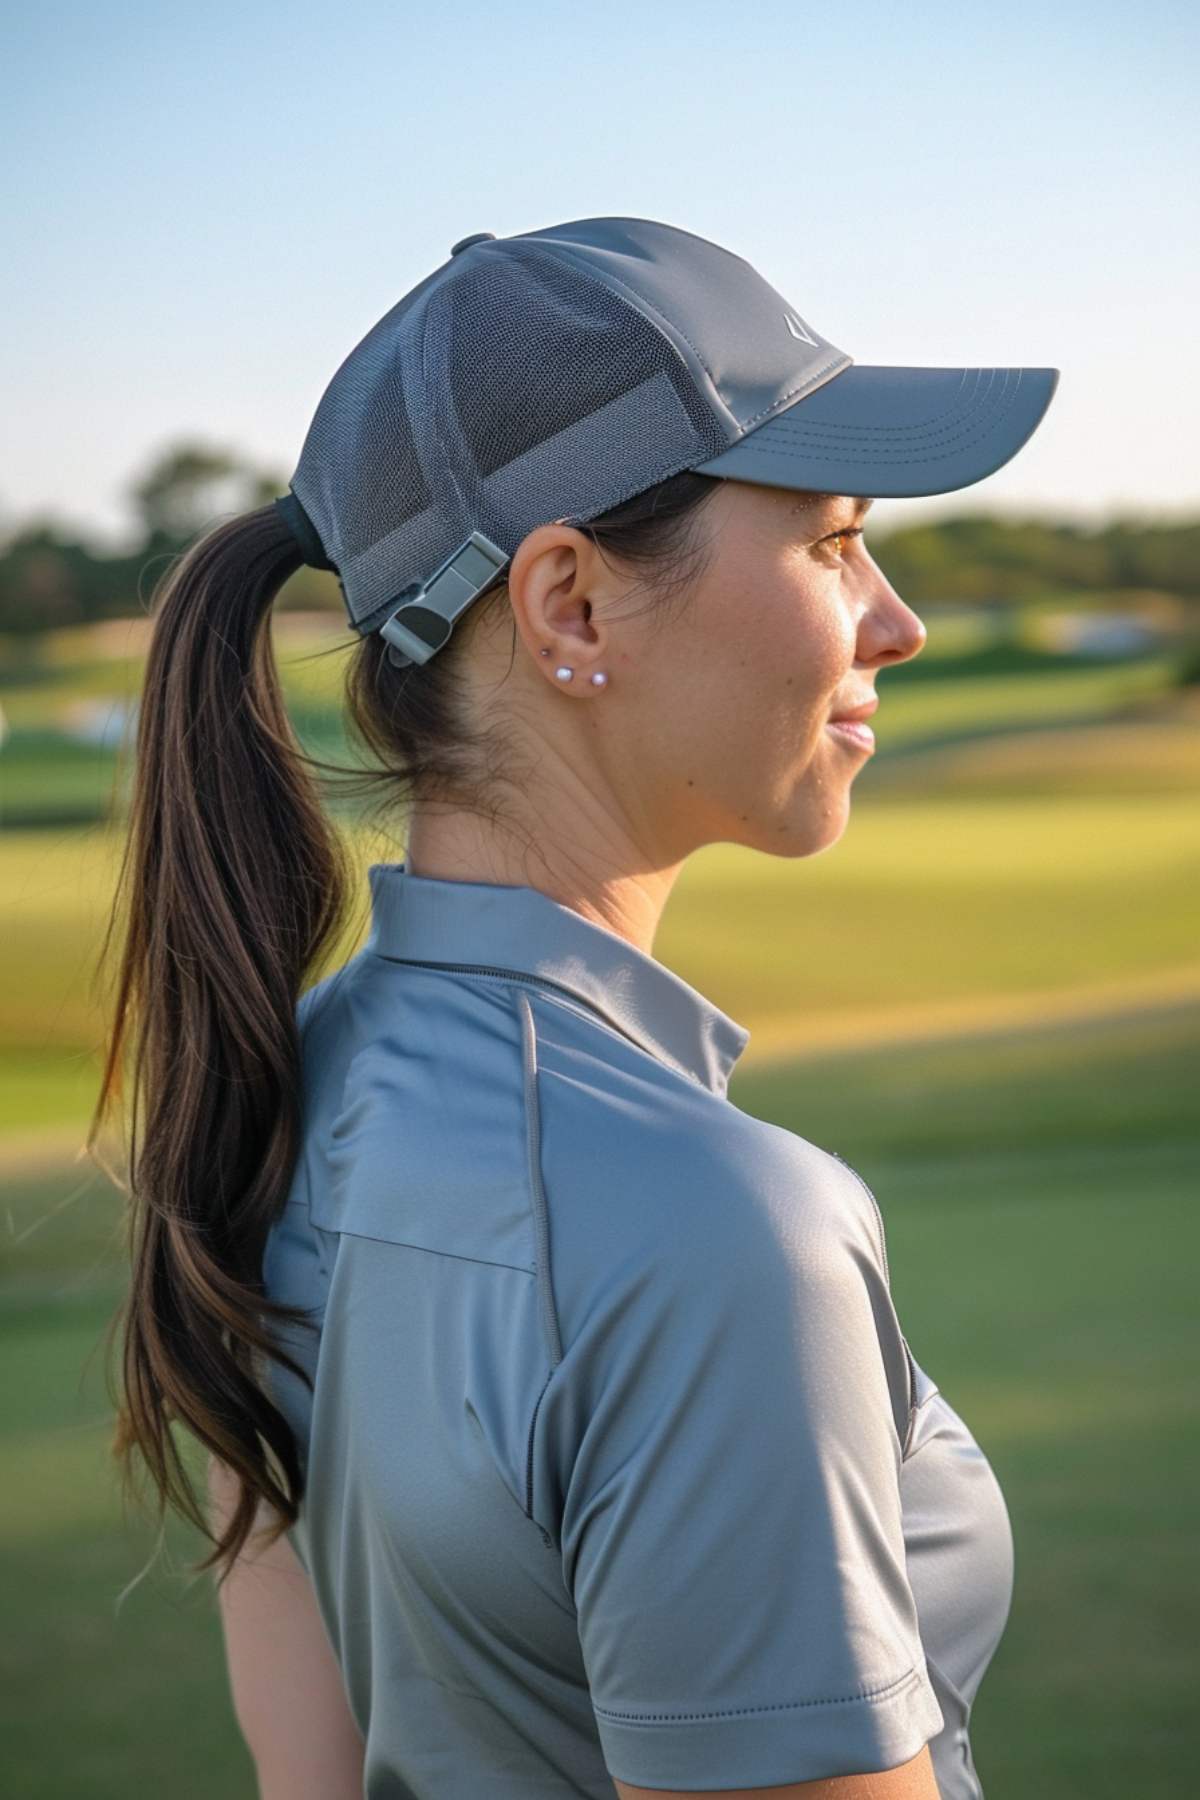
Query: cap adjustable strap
(422,623)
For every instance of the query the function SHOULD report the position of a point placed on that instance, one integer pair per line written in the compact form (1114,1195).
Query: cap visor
(881,431)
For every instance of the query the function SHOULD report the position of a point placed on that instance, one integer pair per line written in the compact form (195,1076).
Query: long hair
(233,885)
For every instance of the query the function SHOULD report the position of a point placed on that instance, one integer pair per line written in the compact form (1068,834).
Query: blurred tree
(43,580)
(190,486)
(49,577)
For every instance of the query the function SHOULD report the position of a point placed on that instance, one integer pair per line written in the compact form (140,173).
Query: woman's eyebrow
(833,506)
(830,512)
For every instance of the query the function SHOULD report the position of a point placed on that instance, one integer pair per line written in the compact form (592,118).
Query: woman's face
(730,702)
(714,723)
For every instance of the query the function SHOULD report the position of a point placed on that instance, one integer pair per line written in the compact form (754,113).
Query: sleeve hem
(807,1740)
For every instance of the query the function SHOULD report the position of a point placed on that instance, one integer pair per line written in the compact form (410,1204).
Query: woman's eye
(839,539)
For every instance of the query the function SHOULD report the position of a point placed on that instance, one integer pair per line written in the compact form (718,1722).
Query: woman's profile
(563,1436)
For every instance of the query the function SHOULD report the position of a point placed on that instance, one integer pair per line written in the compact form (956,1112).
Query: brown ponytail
(232,886)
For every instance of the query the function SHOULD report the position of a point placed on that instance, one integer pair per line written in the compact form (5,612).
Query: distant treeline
(981,557)
(50,576)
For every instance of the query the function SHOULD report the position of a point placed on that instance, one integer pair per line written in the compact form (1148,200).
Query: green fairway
(925,900)
(986,997)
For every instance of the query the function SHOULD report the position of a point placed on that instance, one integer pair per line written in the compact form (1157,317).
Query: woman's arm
(288,1695)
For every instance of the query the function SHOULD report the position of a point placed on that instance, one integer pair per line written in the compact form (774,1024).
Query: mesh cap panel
(537,395)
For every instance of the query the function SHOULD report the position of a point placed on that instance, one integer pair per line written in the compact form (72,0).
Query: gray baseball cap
(550,375)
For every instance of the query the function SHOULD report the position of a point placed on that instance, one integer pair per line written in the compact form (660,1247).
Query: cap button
(465,243)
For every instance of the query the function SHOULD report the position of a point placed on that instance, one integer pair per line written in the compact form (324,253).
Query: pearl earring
(598,679)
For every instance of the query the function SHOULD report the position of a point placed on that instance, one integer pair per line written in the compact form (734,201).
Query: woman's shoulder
(420,1084)
(674,1190)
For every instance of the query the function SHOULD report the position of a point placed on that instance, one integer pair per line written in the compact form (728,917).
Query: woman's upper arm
(727,1424)
(913,1780)
(288,1695)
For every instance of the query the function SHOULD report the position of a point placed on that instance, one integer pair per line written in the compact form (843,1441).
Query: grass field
(992,1012)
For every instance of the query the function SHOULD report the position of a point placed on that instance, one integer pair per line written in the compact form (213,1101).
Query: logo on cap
(798,329)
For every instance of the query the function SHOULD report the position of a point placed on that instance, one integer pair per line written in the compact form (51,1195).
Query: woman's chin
(829,829)
(804,830)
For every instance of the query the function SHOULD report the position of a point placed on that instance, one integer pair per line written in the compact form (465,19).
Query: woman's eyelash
(850,532)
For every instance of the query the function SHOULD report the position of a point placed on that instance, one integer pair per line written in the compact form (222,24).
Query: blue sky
(207,207)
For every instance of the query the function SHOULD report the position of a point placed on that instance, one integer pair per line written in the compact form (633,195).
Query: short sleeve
(731,1524)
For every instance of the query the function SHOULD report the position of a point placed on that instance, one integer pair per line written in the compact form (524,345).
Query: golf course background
(990,1009)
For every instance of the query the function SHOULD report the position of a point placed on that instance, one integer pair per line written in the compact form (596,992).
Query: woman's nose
(890,630)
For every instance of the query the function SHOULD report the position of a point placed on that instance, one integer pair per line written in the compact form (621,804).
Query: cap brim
(882,431)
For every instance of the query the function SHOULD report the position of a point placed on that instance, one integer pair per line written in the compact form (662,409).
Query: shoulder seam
(537,1192)
(541,1222)
(879,1230)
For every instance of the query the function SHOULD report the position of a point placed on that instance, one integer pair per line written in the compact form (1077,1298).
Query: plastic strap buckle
(430,609)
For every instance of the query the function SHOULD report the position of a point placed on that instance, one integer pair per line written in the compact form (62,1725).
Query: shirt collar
(421,918)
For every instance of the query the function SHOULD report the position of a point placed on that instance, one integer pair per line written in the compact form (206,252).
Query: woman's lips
(854,731)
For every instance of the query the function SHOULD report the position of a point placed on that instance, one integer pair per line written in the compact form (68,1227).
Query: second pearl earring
(564,674)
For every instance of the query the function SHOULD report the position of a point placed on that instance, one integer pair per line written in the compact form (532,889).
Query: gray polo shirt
(618,1461)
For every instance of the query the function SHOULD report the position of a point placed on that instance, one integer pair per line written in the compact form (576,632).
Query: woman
(602,1459)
